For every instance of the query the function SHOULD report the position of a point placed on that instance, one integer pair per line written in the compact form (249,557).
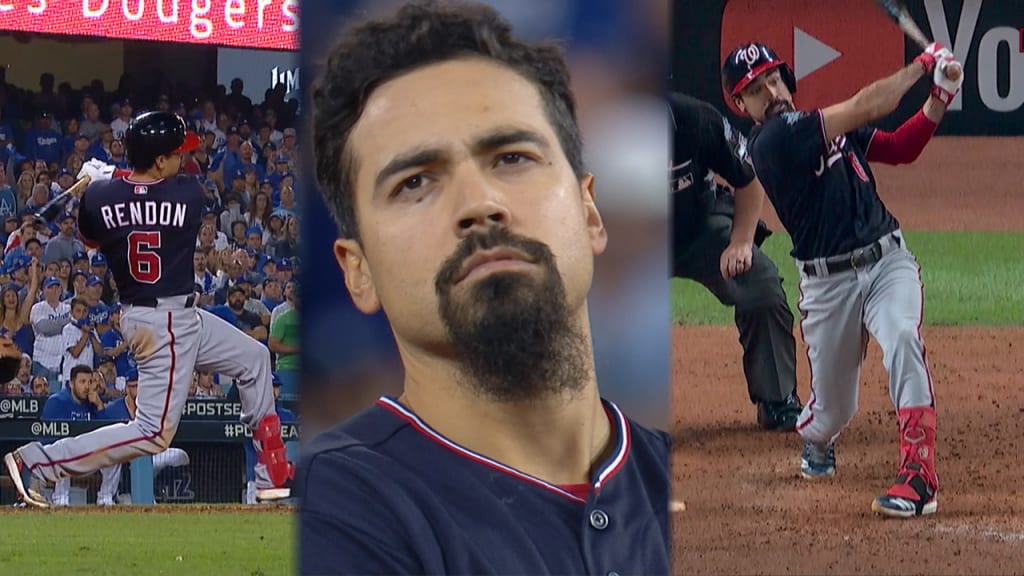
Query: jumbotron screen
(265,24)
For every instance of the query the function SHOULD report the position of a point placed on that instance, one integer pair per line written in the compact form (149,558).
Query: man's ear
(595,225)
(738,101)
(358,278)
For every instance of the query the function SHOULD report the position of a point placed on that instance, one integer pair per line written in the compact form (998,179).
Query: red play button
(826,43)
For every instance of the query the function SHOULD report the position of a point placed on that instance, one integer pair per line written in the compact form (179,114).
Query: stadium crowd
(58,300)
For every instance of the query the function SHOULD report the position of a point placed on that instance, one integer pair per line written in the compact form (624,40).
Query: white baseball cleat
(21,477)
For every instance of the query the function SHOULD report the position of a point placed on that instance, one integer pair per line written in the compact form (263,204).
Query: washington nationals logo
(750,55)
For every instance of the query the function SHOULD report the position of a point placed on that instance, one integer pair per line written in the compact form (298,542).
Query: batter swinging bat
(898,13)
(58,205)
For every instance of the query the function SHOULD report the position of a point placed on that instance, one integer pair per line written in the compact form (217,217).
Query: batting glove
(943,88)
(97,170)
(931,54)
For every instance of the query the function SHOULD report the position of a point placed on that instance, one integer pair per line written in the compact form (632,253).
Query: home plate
(677,506)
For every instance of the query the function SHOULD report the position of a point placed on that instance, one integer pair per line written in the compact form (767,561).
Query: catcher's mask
(746,63)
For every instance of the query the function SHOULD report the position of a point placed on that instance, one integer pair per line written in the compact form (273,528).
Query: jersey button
(598,519)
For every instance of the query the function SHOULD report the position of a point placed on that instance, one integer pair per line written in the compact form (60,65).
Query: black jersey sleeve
(862,137)
(86,227)
(726,148)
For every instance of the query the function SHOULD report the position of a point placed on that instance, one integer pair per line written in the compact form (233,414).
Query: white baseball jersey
(71,335)
(48,322)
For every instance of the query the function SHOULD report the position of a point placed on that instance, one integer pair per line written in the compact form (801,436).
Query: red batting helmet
(747,62)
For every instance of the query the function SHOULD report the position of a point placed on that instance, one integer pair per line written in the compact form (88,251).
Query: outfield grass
(68,542)
(970,278)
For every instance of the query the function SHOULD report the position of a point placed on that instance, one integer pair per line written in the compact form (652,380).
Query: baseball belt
(860,258)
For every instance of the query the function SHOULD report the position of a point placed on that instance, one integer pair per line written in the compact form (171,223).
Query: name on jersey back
(144,213)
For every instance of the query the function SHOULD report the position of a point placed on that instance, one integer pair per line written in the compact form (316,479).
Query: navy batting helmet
(152,134)
(746,62)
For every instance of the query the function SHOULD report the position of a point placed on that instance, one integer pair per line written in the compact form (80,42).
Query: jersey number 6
(143,262)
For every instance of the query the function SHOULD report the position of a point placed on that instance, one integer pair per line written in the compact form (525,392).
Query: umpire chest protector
(703,143)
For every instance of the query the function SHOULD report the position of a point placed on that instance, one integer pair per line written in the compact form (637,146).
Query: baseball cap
(106,358)
(51,281)
(233,130)
(64,172)
(275,379)
(289,131)
(115,308)
(131,376)
(80,255)
(66,216)
(281,159)
(253,230)
(93,280)
(284,264)
(76,273)
(208,211)
(98,259)
(243,279)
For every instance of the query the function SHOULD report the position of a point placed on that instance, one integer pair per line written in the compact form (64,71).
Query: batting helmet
(153,134)
(746,62)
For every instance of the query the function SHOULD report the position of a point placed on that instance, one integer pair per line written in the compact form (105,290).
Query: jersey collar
(607,469)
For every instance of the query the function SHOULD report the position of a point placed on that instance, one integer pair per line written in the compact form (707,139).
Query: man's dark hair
(32,240)
(80,369)
(419,34)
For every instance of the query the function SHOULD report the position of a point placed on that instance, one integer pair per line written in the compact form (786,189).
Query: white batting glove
(945,89)
(97,170)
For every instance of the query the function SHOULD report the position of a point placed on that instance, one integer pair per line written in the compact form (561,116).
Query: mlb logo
(140,190)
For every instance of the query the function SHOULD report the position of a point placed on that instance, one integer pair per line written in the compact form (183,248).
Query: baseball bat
(55,207)
(897,11)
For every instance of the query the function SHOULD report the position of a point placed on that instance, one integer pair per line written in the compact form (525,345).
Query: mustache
(495,237)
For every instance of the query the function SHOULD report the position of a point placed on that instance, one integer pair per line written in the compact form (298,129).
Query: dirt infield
(747,510)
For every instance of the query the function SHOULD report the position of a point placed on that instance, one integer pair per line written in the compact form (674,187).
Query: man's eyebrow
(407,160)
(490,140)
(502,137)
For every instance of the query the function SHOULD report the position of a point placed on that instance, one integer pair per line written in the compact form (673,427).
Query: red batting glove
(930,54)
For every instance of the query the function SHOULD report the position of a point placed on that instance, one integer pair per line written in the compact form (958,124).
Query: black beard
(777,107)
(513,332)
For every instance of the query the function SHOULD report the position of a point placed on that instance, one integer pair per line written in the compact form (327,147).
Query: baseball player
(146,223)
(857,275)
(470,220)
(715,243)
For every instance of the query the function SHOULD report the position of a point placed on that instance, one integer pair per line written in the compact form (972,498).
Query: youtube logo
(834,48)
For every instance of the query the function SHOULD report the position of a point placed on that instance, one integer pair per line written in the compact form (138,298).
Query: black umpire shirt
(703,142)
(824,192)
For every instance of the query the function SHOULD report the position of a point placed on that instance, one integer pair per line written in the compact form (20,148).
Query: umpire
(716,239)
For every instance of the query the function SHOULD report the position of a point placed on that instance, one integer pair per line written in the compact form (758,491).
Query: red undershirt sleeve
(905,144)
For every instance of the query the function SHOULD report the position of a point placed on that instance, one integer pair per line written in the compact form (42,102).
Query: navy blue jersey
(383,493)
(824,192)
(703,142)
(147,231)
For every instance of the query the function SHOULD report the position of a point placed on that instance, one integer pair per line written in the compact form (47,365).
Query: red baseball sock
(917,454)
